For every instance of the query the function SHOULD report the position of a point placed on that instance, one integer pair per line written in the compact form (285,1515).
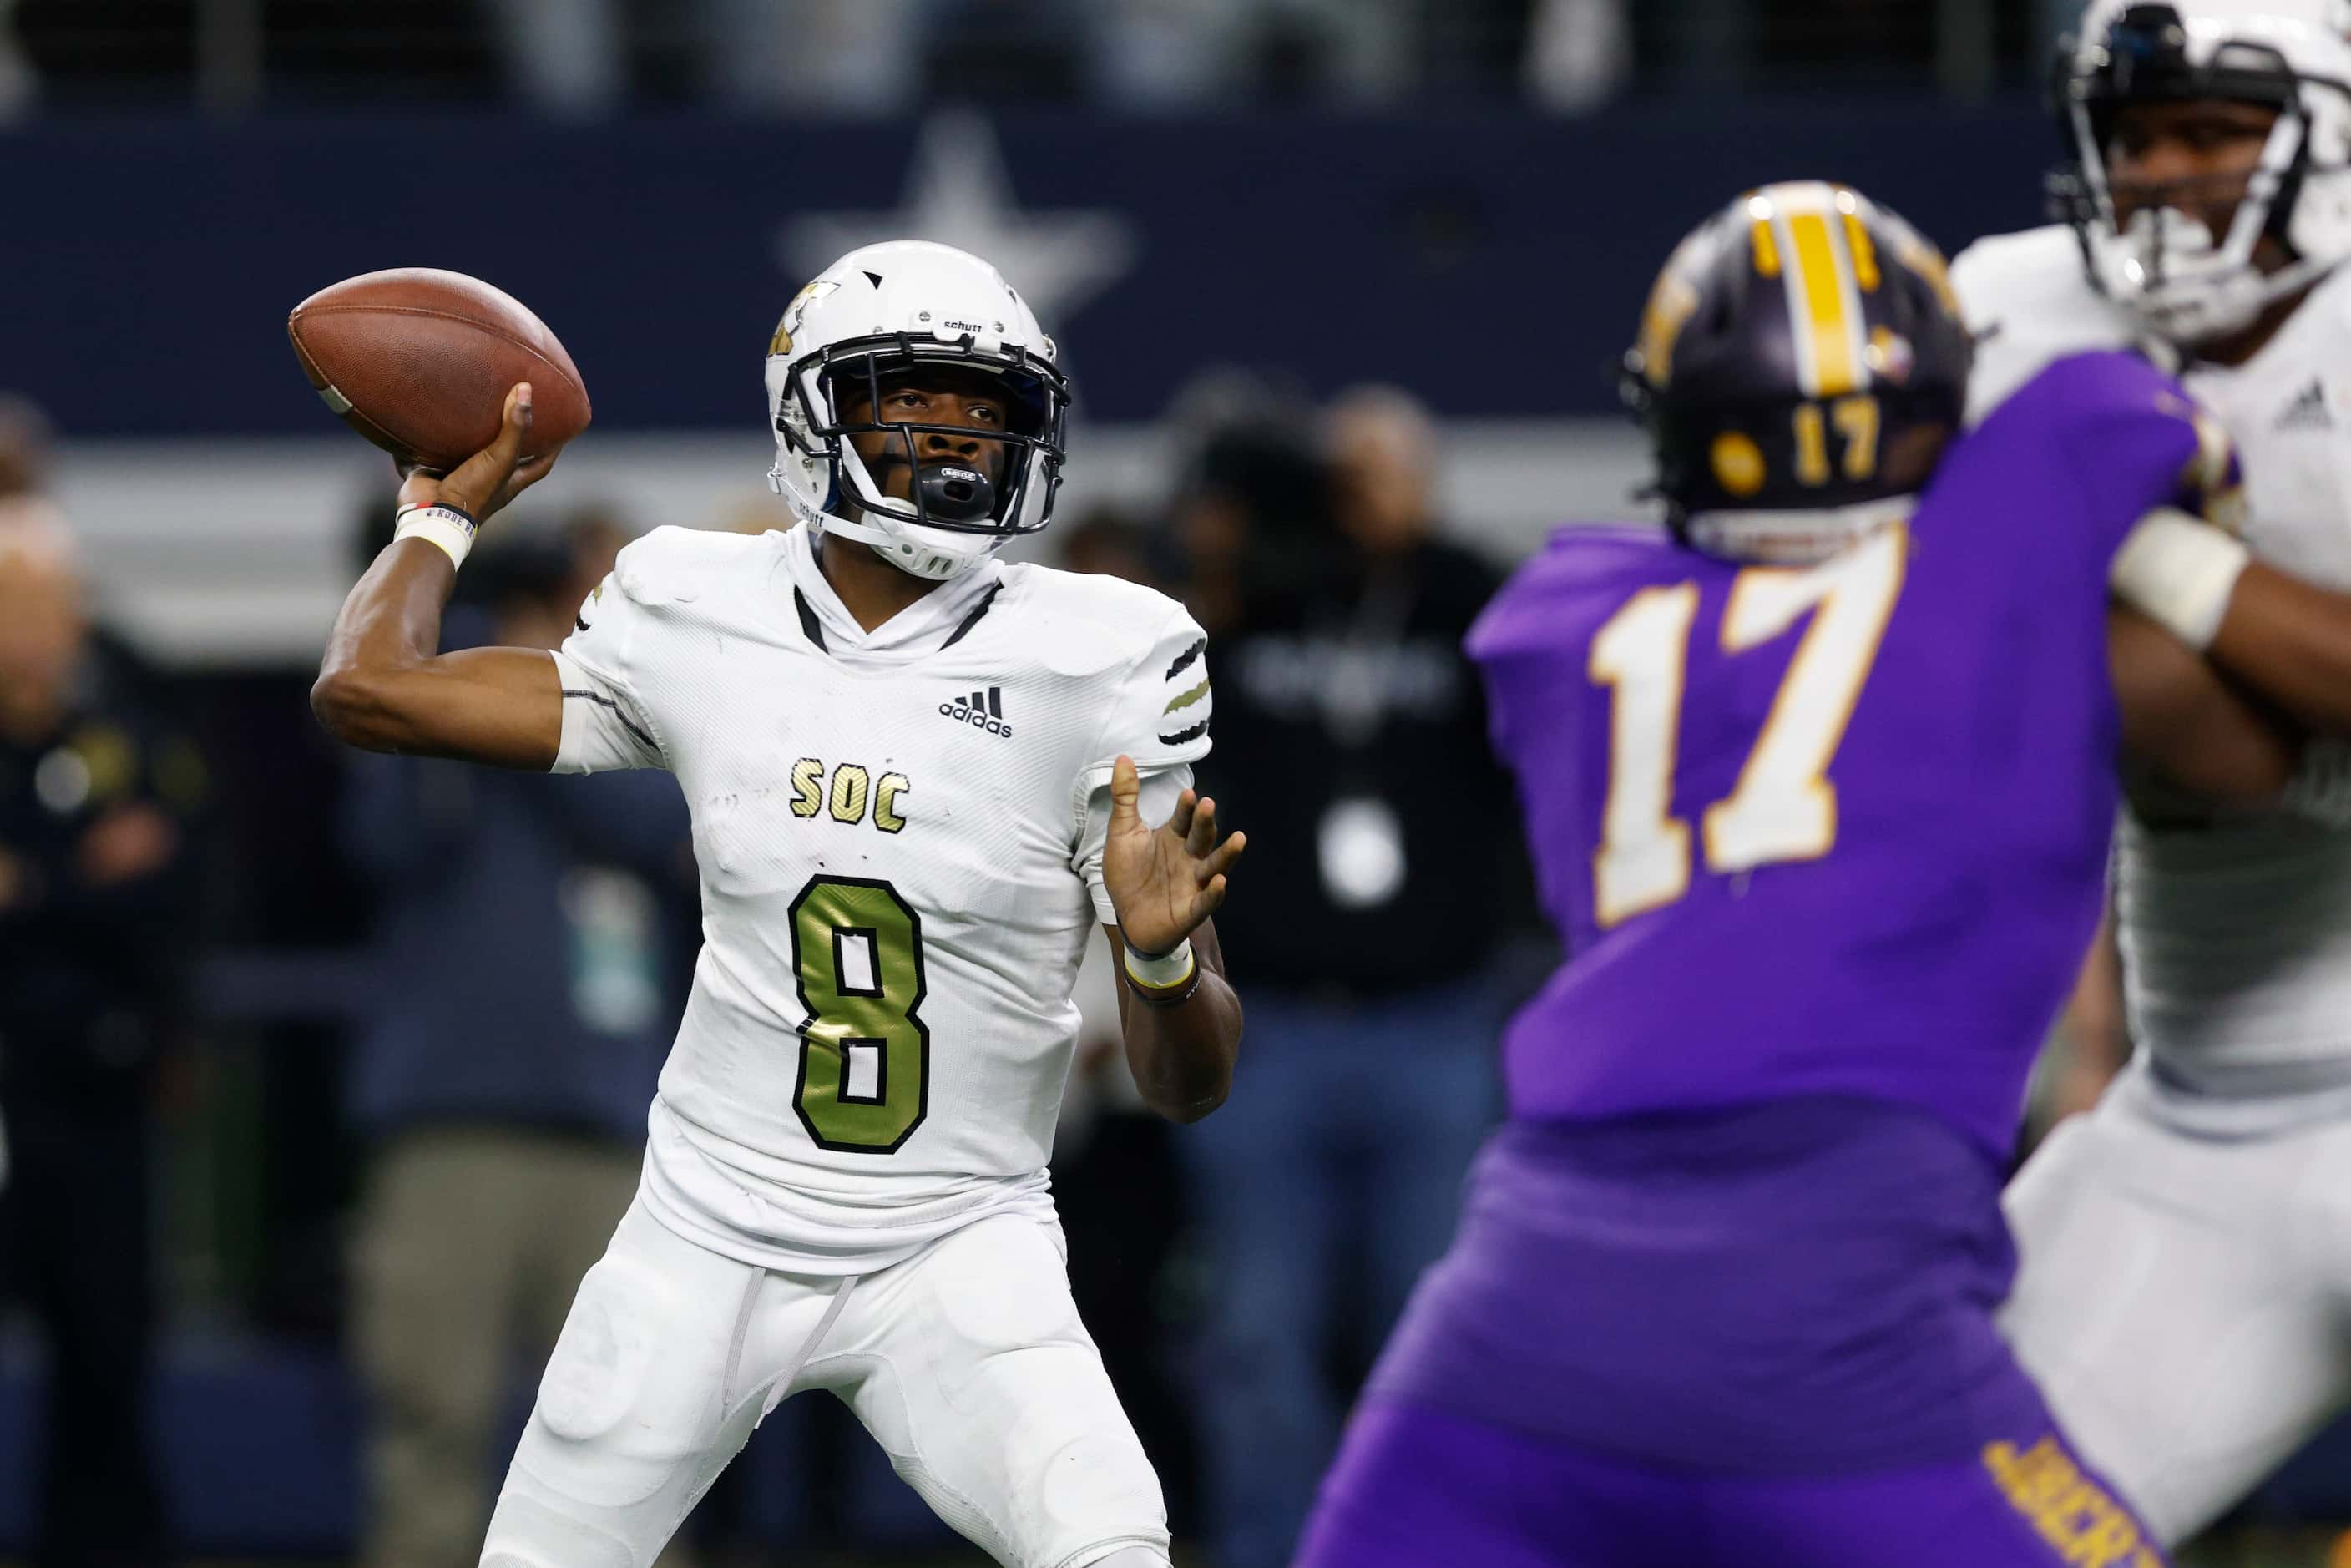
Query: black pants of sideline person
(75,1248)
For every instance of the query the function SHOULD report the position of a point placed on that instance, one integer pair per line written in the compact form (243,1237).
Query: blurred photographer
(502,1097)
(96,801)
(1350,745)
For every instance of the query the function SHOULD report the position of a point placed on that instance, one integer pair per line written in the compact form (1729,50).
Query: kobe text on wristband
(446,527)
(1166,980)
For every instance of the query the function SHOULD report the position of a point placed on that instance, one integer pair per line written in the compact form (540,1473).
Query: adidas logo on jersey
(2308,410)
(981,710)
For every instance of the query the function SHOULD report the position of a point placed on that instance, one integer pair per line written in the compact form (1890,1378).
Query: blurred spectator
(562,57)
(876,57)
(571,57)
(1166,54)
(1351,745)
(1360,50)
(528,987)
(1578,53)
(1108,541)
(20,85)
(96,802)
(1253,506)
(25,445)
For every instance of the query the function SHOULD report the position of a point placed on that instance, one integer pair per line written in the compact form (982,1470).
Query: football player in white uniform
(2185,1278)
(918,776)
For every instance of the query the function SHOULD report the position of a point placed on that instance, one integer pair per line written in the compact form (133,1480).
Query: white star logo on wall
(959,192)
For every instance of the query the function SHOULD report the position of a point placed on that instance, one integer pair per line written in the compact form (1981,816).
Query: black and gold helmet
(1799,365)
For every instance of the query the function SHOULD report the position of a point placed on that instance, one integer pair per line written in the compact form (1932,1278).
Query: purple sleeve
(2129,438)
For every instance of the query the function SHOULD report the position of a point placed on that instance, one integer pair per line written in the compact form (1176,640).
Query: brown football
(419,360)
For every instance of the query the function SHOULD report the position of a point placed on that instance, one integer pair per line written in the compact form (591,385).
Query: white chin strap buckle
(2185,282)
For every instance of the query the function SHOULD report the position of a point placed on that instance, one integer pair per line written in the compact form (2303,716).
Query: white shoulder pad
(1087,623)
(677,566)
(2029,303)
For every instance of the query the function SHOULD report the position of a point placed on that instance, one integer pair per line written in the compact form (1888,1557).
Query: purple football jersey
(1837,830)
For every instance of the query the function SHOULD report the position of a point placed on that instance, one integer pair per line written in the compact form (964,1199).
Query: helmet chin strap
(909,554)
(2209,294)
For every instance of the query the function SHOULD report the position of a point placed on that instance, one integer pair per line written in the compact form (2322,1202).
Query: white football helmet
(878,312)
(2187,283)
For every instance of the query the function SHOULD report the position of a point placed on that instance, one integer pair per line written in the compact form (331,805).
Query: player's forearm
(1181,1057)
(383,687)
(2291,643)
(2184,720)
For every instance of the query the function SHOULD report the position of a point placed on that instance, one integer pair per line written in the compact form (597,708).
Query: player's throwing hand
(1163,881)
(491,479)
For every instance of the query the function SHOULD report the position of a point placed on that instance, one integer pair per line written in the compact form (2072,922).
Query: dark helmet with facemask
(1800,363)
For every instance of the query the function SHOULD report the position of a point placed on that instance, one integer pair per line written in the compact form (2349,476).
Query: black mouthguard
(953,493)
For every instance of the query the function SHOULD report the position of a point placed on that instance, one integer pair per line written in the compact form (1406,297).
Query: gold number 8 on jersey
(865,1057)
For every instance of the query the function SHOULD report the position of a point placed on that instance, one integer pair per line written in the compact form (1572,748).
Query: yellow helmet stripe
(1767,249)
(1864,253)
(1825,315)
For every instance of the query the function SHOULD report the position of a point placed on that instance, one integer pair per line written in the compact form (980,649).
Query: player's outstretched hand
(484,483)
(1163,882)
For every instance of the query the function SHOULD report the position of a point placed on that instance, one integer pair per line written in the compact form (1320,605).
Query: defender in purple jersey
(1818,783)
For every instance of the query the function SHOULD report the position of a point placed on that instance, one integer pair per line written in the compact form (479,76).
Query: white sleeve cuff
(600,731)
(2180,571)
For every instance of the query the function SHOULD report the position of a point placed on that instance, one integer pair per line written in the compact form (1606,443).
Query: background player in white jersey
(919,776)
(2185,1281)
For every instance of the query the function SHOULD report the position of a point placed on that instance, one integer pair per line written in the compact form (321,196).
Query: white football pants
(967,1362)
(2184,1303)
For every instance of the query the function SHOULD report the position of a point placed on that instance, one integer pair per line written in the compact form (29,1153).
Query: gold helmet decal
(1672,303)
(781,343)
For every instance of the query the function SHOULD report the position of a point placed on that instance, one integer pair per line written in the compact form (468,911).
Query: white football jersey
(2235,927)
(900,836)
(2028,304)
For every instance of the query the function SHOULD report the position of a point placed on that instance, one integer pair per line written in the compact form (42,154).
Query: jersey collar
(938,619)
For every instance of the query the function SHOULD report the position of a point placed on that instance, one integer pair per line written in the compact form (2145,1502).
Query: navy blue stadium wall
(1491,259)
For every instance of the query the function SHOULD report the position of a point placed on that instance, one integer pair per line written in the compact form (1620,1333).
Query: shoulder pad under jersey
(1084,623)
(671,565)
(2029,303)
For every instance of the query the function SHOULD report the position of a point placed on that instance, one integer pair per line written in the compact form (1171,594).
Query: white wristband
(447,527)
(2180,573)
(1161,974)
